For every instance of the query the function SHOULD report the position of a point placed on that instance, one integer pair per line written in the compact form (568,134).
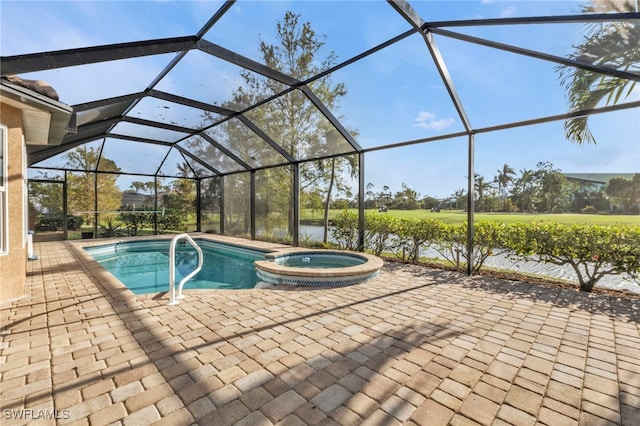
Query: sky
(393,96)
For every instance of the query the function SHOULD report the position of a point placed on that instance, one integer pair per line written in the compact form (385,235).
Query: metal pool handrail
(172,268)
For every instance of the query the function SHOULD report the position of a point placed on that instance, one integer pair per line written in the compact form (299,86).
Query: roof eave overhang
(45,120)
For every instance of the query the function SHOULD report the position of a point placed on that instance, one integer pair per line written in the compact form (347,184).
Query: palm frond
(613,45)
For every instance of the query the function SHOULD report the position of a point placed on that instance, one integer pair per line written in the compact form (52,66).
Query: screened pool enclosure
(245,116)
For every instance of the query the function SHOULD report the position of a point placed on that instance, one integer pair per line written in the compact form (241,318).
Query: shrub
(54,222)
(593,251)
(134,220)
(111,228)
(74,222)
(413,234)
(489,238)
(170,220)
(344,228)
(379,229)
(452,244)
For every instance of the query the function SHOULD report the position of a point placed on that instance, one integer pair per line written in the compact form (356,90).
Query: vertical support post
(296,204)
(95,205)
(65,211)
(221,186)
(252,204)
(198,206)
(470,204)
(361,186)
(155,205)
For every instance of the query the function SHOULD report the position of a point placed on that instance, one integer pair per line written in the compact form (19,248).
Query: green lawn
(457,216)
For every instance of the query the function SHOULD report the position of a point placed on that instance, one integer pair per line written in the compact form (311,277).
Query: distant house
(595,181)
(136,200)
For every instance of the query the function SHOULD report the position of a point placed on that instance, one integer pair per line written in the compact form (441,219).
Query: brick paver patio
(414,346)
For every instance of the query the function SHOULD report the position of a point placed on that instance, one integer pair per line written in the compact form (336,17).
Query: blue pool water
(320,261)
(143,266)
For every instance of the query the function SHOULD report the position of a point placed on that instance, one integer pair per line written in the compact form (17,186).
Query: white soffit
(39,114)
(35,122)
(36,126)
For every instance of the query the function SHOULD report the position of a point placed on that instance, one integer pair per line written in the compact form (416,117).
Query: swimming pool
(143,266)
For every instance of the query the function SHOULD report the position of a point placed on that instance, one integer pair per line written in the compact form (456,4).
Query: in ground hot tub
(317,267)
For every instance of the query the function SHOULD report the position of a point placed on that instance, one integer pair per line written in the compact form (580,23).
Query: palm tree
(524,190)
(614,45)
(480,185)
(457,194)
(504,178)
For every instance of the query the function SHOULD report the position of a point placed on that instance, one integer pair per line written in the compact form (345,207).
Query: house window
(4,208)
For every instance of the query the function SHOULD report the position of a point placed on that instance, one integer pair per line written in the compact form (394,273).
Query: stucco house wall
(13,263)
(32,117)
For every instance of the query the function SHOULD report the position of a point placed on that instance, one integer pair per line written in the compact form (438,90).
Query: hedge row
(593,251)
(135,220)
(55,222)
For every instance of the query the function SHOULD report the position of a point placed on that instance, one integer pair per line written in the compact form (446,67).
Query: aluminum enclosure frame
(115,109)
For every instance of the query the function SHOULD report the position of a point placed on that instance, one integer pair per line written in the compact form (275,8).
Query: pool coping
(372,264)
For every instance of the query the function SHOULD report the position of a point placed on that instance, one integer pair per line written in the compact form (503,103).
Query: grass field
(456,216)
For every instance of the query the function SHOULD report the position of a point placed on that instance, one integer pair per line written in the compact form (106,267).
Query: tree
(481,186)
(406,199)
(45,196)
(551,187)
(81,186)
(504,178)
(385,197)
(336,167)
(369,196)
(312,200)
(459,195)
(544,190)
(614,45)
(587,199)
(46,204)
(524,191)
(180,195)
(291,120)
(210,203)
(430,203)
(626,192)
(138,186)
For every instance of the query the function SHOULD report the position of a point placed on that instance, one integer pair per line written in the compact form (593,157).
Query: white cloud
(508,12)
(428,120)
